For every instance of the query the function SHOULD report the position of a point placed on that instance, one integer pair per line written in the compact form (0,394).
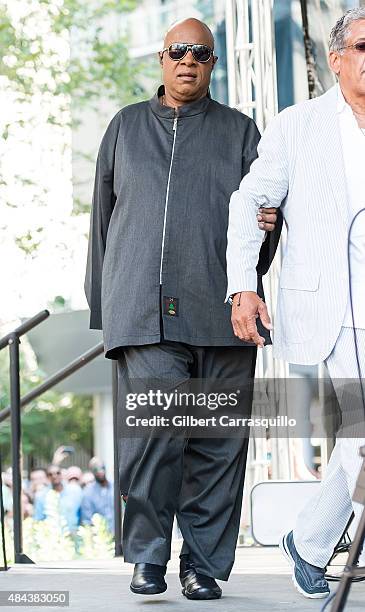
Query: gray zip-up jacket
(158,229)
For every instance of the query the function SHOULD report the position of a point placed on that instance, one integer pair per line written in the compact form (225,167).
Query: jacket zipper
(174,128)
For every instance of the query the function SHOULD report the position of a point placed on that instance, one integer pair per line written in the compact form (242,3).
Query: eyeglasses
(176,51)
(55,473)
(359,46)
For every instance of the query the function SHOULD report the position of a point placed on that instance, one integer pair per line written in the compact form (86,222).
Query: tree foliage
(58,60)
(49,421)
(66,48)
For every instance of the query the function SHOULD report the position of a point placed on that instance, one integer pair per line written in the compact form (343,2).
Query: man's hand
(59,455)
(246,307)
(267,218)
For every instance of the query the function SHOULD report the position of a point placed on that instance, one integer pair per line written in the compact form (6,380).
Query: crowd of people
(77,494)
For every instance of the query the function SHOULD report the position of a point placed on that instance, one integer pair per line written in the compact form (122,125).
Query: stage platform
(260,582)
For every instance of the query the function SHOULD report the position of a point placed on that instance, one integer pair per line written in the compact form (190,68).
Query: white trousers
(323,520)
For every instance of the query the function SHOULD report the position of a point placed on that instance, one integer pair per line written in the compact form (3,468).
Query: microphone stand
(351,570)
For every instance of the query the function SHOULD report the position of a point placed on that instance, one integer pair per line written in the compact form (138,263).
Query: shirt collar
(341,102)
(187,110)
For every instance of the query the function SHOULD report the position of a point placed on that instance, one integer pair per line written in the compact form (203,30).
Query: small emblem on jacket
(171,306)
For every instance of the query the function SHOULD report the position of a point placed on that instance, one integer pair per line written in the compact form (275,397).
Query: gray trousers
(200,480)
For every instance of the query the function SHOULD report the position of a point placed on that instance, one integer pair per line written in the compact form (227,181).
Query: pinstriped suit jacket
(300,168)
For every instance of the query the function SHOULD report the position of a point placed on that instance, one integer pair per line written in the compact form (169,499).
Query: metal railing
(12,340)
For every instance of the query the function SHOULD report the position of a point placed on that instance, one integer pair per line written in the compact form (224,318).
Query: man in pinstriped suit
(310,158)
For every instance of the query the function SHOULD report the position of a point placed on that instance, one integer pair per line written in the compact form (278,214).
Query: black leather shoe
(194,585)
(148,579)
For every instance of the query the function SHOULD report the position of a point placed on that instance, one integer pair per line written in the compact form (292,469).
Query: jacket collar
(326,127)
(187,110)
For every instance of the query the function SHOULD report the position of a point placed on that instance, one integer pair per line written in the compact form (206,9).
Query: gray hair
(342,28)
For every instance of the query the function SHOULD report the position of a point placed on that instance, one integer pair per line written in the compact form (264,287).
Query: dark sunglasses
(176,51)
(54,473)
(360,46)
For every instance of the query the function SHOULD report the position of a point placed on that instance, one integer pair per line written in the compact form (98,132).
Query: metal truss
(251,58)
(252,88)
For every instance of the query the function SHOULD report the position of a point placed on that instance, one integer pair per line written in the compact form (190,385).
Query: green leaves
(49,540)
(74,52)
(59,60)
(48,421)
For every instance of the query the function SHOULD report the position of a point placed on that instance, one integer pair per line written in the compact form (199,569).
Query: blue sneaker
(309,580)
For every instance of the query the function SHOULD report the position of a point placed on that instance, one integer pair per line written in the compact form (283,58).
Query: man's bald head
(186,79)
(189,30)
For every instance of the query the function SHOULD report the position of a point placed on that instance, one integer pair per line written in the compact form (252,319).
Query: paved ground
(260,582)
